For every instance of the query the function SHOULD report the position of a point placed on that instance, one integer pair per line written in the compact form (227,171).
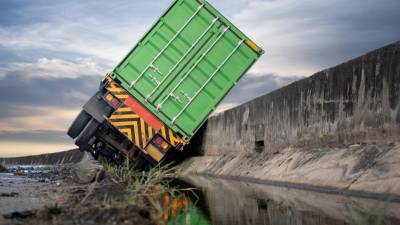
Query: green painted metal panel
(186,63)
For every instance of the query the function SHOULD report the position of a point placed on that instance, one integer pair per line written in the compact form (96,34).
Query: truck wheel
(79,123)
(87,134)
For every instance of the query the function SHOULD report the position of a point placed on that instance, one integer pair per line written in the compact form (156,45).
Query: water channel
(225,202)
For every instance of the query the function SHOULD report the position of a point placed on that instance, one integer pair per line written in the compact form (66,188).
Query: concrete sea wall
(337,128)
(71,156)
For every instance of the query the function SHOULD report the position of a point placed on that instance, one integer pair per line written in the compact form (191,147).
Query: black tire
(86,135)
(79,123)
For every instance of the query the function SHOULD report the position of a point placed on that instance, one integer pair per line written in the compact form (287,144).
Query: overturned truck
(150,106)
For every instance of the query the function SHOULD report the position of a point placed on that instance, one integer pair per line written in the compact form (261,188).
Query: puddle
(44,172)
(223,202)
(27,169)
(27,187)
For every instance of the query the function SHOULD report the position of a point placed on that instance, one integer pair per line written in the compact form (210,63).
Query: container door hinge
(186,96)
(177,98)
(155,68)
(154,79)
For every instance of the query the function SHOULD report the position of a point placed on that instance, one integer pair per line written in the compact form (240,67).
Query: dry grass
(142,183)
(146,188)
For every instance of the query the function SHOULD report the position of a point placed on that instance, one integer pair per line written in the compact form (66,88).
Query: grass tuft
(146,188)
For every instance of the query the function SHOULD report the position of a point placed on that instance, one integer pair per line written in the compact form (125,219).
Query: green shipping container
(185,65)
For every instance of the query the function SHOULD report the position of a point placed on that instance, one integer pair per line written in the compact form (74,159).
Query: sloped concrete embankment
(71,156)
(338,129)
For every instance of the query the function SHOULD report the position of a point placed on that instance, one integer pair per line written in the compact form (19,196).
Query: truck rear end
(155,100)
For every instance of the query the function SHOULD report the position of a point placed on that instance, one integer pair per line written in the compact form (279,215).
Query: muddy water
(27,187)
(224,202)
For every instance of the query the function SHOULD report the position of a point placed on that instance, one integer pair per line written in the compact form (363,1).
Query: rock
(53,210)
(12,194)
(3,169)
(19,214)
(49,212)
(87,171)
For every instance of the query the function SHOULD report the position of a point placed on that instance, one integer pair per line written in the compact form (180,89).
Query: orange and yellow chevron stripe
(171,137)
(133,126)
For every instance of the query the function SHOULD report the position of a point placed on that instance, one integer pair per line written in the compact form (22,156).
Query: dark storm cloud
(17,90)
(349,29)
(302,37)
(37,93)
(48,136)
(11,12)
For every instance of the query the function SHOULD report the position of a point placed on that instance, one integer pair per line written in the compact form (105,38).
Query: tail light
(160,142)
(112,100)
(157,148)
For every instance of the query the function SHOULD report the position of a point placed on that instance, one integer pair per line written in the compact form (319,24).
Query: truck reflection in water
(222,202)
(181,210)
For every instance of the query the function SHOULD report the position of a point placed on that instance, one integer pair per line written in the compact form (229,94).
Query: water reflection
(223,202)
(42,173)
(182,209)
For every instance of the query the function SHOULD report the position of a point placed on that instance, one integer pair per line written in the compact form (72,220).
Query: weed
(147,188)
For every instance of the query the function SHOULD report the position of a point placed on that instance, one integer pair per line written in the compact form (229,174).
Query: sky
(54,53)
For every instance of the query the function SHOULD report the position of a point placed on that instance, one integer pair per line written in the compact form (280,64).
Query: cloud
(42,103)
(49,136)
(302,37)
(17,90)
(39,118)
(17,148)
(45,67)
(84,29)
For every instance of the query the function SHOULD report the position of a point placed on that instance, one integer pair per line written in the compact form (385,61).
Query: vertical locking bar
(208,80)
(166,46)
(192,68)
(183,57)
